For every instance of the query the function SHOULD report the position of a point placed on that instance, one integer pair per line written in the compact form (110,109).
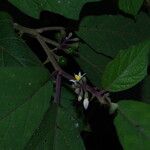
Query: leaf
(108,34)
(92,63)
(13,50)
(26,91)
(131,7)
(127,69)
(133,126)
(25,96)
(25,88)
(60,128)
(67,8)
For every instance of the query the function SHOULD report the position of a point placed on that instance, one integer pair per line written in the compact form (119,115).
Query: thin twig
(34,33)
(41,30)
(50,41)
(49,53)
(58,89)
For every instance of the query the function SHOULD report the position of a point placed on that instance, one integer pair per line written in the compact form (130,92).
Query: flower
(86,103)
(77,77)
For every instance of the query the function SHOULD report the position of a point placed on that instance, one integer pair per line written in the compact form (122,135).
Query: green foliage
(72,48)
(62,61)
(133,125)
(108,34)
(25,86)
(28,117)
(129,6)
(25,100)
(127,69)
(67,8)
(13,50)
(60,127)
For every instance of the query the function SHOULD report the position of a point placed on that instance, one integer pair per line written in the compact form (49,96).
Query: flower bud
(86,103)
(79,98)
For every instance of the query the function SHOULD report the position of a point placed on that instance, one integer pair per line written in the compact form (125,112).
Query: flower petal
(74,81)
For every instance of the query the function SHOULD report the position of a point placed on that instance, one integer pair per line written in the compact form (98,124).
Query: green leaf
(129,6)
(25,96)
(92,63)
(67,8)
(13,50)
(108,34)
(60,128)
(25,88)
(127,69)
(133,125)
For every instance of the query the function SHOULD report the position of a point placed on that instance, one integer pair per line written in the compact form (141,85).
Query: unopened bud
(79,98)
(86,103)
(113,108)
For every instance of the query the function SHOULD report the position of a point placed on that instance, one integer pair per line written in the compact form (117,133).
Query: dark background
(103,135)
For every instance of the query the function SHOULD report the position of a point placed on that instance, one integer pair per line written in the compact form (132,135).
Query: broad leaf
(127,69)
(67,8)
(25,97)
(129,6)
(133,125)
(108,34)
(60,128)
(92,63)
(25,89)
(13,50)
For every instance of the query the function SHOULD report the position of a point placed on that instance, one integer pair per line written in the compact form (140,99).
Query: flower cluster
(78,85)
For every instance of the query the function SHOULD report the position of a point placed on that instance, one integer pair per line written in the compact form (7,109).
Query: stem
(52,58)
(49,53)
(34,33)
(50,41)
(42,40)
(58,89)
(40,30)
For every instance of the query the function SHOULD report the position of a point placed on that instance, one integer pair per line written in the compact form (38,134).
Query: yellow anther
(77,77)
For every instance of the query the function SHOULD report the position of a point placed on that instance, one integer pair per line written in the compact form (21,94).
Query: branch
(34,33)
(40,30)
(101,97)
(49,53)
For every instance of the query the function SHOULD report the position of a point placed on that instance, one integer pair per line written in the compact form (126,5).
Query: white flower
(86,103)
(77,77)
